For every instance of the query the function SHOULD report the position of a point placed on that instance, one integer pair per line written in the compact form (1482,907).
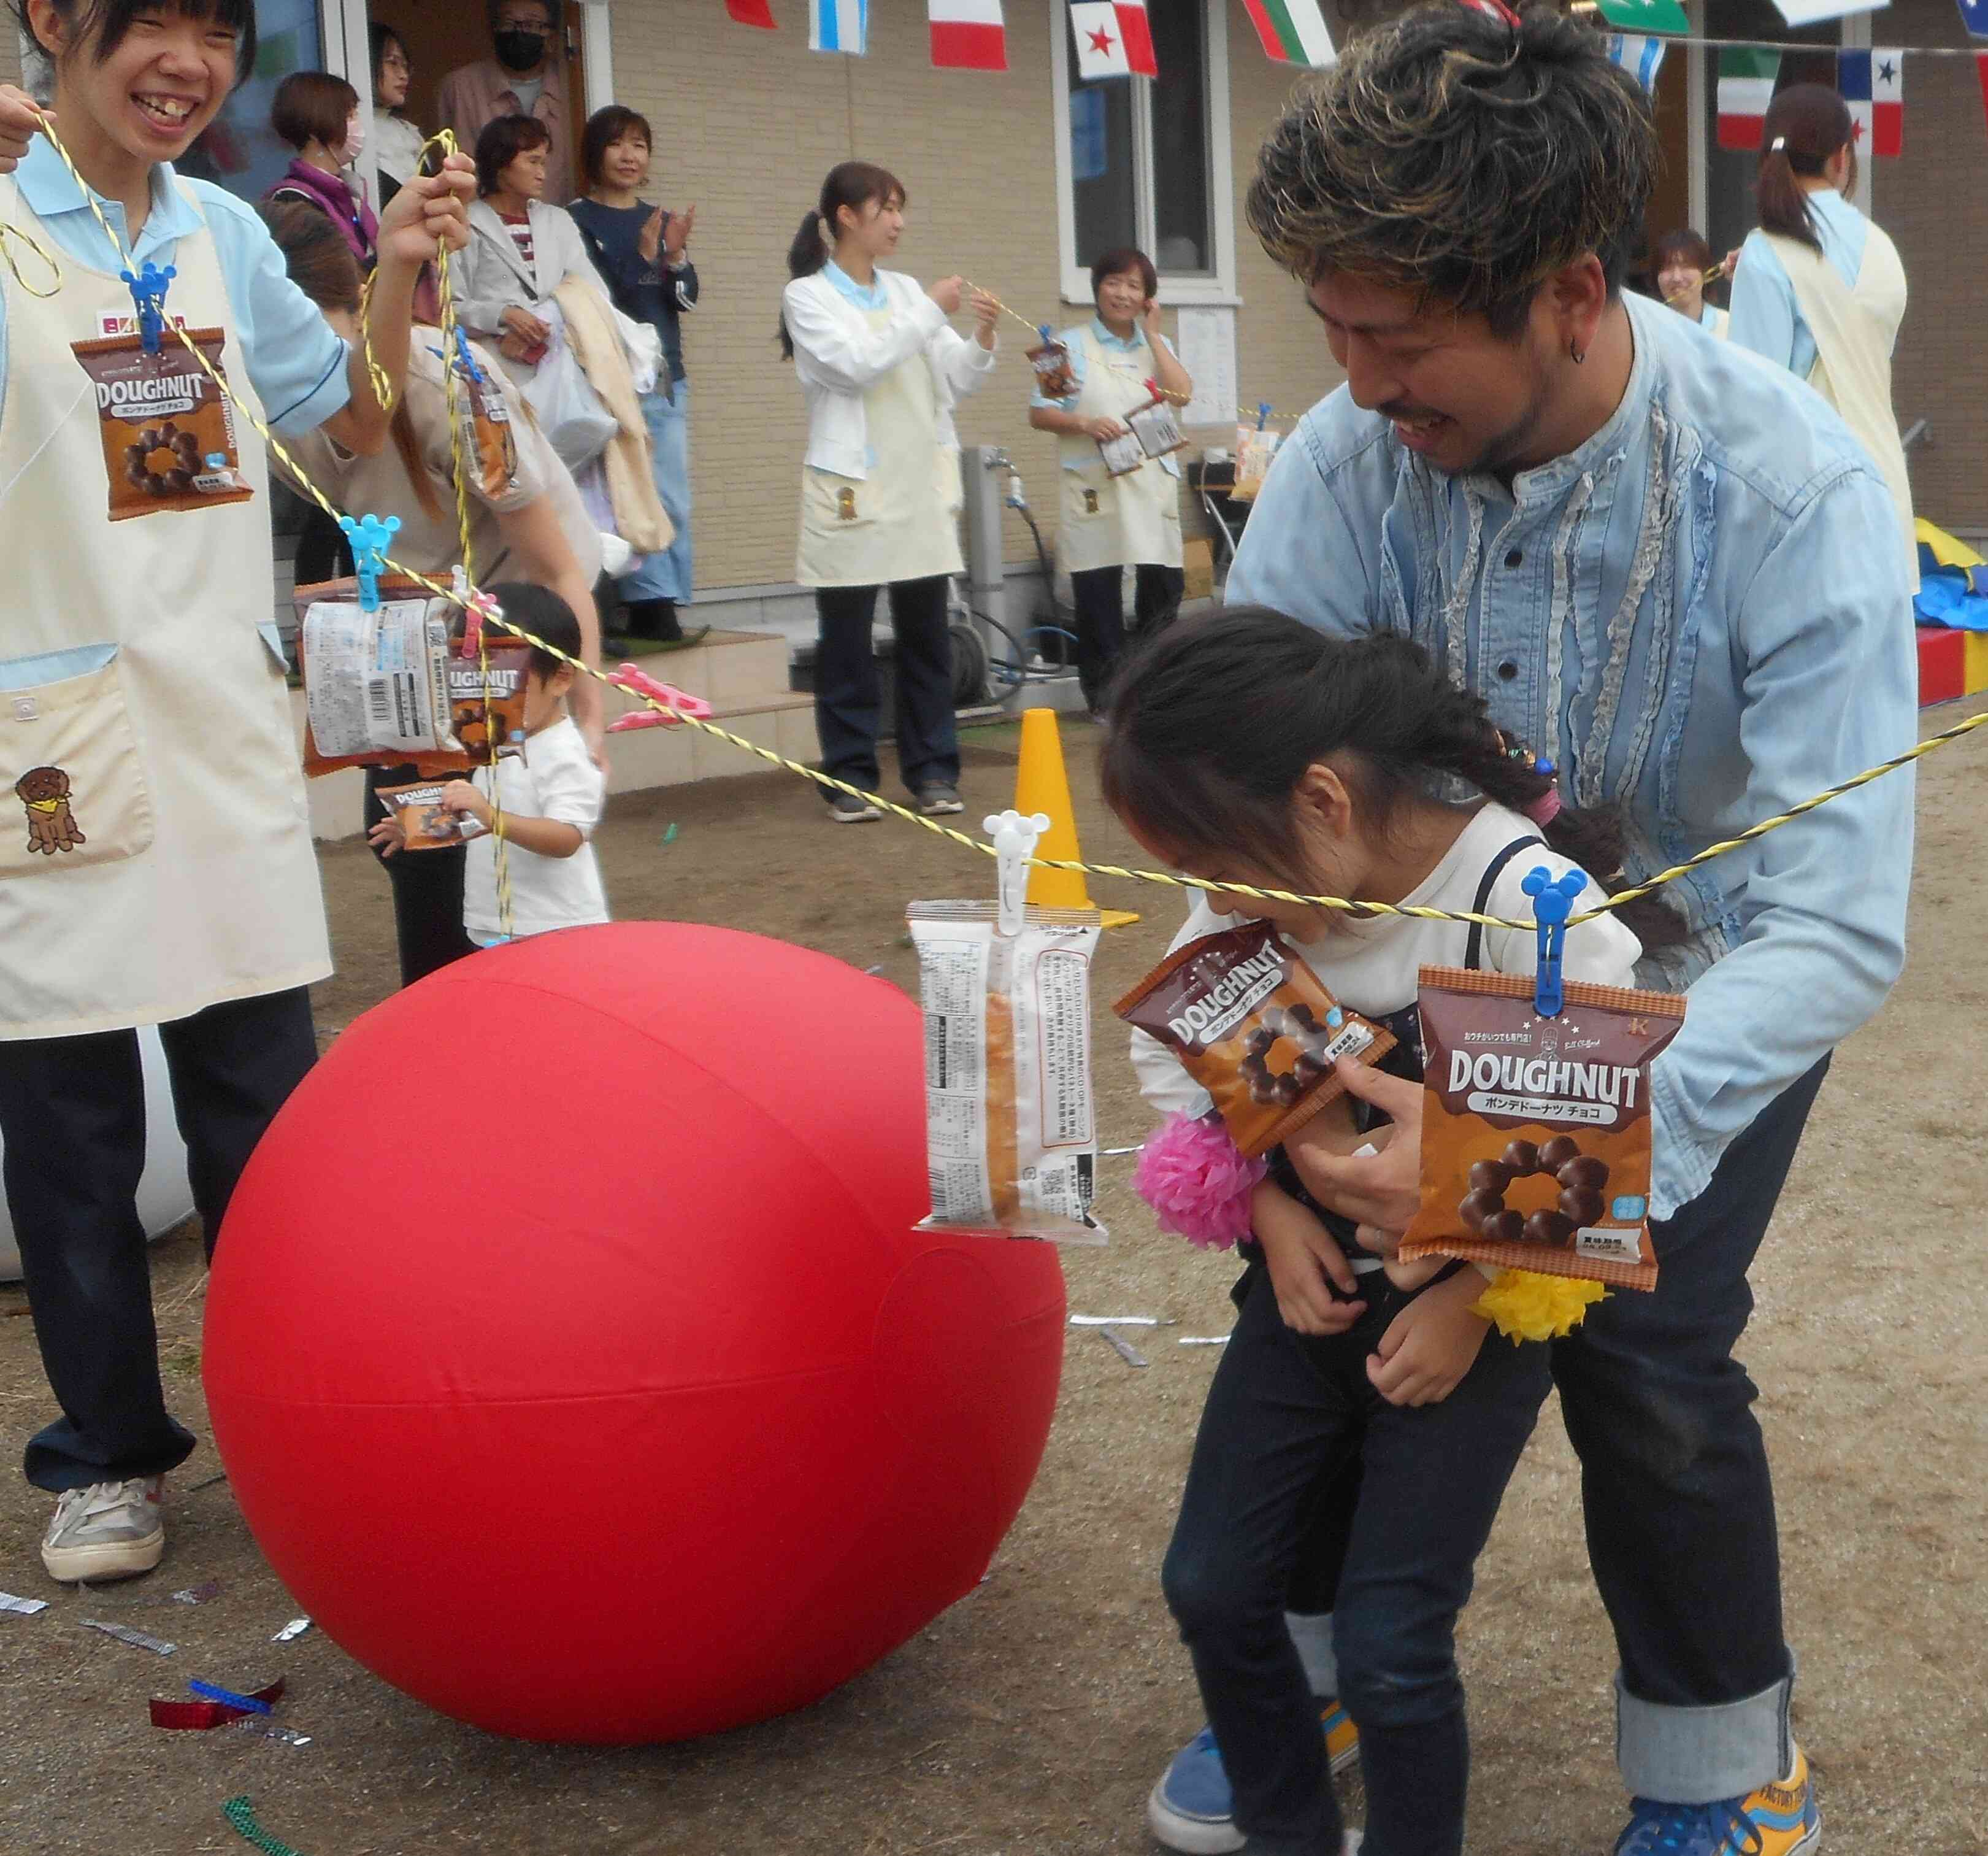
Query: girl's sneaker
(1775,1820)
(1192,1808)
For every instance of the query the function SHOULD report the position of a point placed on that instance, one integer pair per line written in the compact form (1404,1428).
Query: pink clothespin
(682,706)
(478,607)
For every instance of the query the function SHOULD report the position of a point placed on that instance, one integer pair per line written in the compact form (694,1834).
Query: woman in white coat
(1820,290)
(1109,523)
(881,488)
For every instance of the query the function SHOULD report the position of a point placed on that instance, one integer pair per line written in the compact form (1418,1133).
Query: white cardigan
(838,356)
(489,276)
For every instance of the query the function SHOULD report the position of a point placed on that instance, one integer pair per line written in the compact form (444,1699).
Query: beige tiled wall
(10,50)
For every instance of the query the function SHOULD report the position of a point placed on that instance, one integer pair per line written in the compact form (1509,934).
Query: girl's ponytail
(850,184)
(807,254)
(1806,125)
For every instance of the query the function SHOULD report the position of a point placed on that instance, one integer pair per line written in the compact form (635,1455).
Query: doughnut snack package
(1256,1028)
(426,824)
(483,426)
(1011,1133)
(1056,378)
(168,430)
(1535,1131)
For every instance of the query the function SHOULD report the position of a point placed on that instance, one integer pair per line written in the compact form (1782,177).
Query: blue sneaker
(1192,1808)
(1775,1820)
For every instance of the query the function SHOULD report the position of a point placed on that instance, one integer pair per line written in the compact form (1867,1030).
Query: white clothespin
(1015,834)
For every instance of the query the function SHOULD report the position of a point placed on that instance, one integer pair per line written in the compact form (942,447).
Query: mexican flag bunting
(1113,39)
(1293,31)
(1746,88)
(967,35)
(1872,83)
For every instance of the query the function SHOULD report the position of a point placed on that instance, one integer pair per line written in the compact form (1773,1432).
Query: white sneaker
(109,1530)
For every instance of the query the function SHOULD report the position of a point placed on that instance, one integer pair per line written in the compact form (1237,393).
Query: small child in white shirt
(551,795)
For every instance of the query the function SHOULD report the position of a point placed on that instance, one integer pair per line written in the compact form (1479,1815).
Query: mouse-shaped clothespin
(1553,902)
(1263,415)
(681,705)
(369,538)
(148,292)
(1015,834)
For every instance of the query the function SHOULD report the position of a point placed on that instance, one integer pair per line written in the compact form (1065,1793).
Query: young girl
(1341,1385)
(644,253)
(141,661)
(880,489)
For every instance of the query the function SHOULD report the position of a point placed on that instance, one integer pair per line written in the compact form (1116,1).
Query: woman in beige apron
(1109,523)
(160,871)
(880,486)
(1819,289)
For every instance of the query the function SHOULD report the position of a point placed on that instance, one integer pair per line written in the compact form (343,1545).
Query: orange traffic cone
(1041,785)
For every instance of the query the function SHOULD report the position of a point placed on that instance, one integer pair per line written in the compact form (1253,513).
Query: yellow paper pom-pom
(1522,1304)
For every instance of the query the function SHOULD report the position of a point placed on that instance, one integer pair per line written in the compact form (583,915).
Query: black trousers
(1098,595)
(427,890)
(1287,1414)
(72,1116)
(847,697)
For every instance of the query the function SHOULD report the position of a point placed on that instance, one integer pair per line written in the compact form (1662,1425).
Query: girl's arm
(843,347)
(428,208)
(1764,304)
(1304,1261)
(1431,1344)
(966,365)
(542,837)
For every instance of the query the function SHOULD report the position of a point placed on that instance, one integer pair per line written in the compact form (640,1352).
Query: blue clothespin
(1263,415)
(1553,902)
(148,292)
(368,539)
(468,360)
(1042,329)
(249,1703)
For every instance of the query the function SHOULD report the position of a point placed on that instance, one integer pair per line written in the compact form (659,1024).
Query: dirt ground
(1032,1717)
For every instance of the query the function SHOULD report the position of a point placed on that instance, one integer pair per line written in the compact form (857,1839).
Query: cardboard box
(1197,560)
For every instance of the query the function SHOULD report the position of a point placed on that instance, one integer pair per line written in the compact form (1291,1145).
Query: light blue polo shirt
(1766,317)
(294,360)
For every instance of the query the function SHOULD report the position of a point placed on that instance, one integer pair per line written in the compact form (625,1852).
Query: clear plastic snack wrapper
(1011,1132)
(376,682)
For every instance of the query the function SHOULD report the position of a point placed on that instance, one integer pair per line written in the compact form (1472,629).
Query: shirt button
(1507,670)
(1515,557)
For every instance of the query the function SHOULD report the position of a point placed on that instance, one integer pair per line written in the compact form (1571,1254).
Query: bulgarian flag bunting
(1873,85)
(751,12)
(967,35)
(1293,31)
(1113,39)
(1745,87)
(839,25)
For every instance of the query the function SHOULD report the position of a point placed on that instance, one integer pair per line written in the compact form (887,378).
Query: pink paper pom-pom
(1194,1177)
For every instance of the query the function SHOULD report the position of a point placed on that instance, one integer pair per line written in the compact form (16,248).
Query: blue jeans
(666,575)
(1287,1416)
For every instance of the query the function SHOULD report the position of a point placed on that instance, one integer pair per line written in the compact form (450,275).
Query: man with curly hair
(1675,573)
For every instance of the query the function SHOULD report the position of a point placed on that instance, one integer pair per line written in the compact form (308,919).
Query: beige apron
(900,521)
(1854,331)
(141,671)
(1109,521)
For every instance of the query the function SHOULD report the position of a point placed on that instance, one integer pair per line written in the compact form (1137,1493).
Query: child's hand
(387,837)
(1430,1345)
(1303,1258)
(460,795)
(1412,1275)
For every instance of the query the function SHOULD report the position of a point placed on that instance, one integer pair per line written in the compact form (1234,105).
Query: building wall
(10,53)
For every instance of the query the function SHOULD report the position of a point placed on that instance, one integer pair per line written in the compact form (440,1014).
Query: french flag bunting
(1113,39)
(1872,82)
(971,35)
(757,12)
(839,25)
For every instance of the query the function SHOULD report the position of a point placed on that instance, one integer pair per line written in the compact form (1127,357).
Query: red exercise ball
(573,1356)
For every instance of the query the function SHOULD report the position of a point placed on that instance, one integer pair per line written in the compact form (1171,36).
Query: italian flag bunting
(1746,88)
(967,35)
(1293,31)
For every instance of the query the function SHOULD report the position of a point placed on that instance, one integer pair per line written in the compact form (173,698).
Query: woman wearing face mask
(1109,523)
(318,115)
(397,142)
(1682,260)
(1820,290)
(527,77)
(880,489)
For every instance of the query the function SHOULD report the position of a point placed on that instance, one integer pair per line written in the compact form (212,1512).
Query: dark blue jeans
(1287,1415)
(846,696)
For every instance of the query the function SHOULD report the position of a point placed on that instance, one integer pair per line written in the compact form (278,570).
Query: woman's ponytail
(808,253)
(1805,126)
(850,184)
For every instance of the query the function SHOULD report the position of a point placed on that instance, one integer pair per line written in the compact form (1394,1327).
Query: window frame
(1175,289)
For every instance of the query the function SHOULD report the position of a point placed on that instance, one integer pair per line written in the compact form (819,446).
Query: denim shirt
(1701,614)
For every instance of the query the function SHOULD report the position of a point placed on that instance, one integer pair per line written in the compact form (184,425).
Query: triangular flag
(1649,15)
(1746,88)
(1293,31)
(757,12)
(1639,54)
(967,35)
(839,25)
(1113,39)
(1811,12)
(1871,84)
(1974,16)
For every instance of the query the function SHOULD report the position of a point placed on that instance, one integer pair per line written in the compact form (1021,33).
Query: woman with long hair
(1682,261)
(397,142)
(531,528)
(880,489)
(318,115)
(1819,289)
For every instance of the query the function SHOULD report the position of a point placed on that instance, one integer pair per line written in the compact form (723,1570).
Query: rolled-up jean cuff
(1697,1755)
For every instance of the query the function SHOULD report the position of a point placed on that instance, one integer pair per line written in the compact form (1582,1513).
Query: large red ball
(575,1360)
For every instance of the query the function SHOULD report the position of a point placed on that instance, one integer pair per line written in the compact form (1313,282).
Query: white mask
(355,140)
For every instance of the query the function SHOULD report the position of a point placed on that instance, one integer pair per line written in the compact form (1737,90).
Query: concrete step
(725,667)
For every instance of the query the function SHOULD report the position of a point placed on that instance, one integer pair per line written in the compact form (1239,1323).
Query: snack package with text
(426,824)
(167,428)
(1011,1130)
(1536,1144)
(1256,1028)
(1255,448)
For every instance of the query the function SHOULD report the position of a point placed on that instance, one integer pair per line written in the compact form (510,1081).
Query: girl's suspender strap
(1473,952)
